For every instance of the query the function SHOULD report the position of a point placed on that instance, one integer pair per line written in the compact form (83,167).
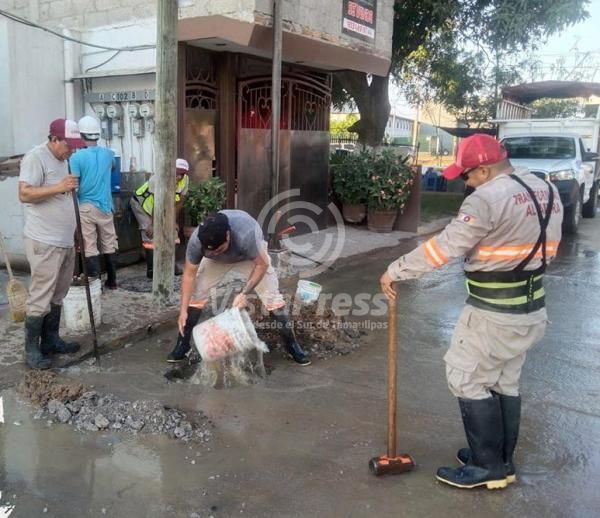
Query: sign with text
(358,19)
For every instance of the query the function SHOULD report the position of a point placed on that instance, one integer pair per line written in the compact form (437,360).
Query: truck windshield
(540,147)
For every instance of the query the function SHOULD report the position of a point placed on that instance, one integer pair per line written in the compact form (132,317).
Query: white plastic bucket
(308,291)
(228,333)
(75,310)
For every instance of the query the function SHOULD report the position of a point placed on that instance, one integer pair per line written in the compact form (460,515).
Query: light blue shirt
(93,166)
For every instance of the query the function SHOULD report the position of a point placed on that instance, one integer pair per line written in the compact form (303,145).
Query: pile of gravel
(90,411)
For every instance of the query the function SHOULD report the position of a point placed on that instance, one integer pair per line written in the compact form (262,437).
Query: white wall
(12,221)
(31,86)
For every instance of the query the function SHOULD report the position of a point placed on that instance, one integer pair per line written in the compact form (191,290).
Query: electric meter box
(106,129)
(114,111)
(147,110)
(137,127)
(100,111)
(133,110)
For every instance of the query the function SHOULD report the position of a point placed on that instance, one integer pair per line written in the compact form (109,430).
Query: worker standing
(45,188)
(93,166)
(230,240)
(142,204)
(508,229)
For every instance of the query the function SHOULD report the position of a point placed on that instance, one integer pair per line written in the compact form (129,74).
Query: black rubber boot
(149,263)
(92,265)
(286,330)
(111,271)
(34,356)
(182,346)
(511,418)
(52,343)
(482,419)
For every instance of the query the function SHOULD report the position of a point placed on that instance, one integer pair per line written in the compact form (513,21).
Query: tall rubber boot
(111,271)
(33,352)
(182,346)
(511,419)
(52,343)
(92,265)
(149,263)
(482,419)
(286,331)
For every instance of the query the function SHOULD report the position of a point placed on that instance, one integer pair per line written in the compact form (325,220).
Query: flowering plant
(390,183)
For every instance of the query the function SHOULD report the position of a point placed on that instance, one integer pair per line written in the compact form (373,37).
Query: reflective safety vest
(519,290)
(146,198)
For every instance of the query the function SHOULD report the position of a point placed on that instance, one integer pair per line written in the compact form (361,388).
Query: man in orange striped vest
(508,230)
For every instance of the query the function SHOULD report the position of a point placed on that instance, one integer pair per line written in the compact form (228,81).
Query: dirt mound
(321,332)
(40,387)
(68,402)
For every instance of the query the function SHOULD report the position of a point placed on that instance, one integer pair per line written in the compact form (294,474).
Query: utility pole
(165,142)
(276,96)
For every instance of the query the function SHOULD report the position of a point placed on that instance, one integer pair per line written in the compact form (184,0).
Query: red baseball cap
(67,130)
(478,149)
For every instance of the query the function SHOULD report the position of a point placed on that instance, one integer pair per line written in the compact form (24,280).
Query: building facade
(224,82)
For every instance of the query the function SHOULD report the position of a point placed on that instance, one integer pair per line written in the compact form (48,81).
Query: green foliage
(351,176)
(460,53)
(340,127)
(556,108)
(391,182)
(204,198)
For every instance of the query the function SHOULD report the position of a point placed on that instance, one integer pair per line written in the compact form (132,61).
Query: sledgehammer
(391,463)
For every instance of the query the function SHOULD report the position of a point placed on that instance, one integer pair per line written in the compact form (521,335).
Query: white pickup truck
(563,151)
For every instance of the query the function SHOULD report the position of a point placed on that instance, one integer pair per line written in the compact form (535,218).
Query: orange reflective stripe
(148,245)
(515,251)
(434,254)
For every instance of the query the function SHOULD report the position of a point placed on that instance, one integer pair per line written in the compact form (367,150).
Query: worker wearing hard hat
(142,204)
(93,166)
(508,230)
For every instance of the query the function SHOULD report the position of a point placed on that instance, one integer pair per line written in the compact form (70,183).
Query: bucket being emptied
(226,334)
(75,310)
(308,291)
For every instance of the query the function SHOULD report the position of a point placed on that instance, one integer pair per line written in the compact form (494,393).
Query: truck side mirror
(590,156)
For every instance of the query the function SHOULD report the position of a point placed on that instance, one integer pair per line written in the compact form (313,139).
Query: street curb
(133,335)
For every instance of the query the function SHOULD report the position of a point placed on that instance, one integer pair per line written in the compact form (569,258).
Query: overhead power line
(24,21)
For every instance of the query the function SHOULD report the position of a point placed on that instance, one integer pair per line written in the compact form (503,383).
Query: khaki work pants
(97,226)
(486,354)
(51,275)
(211,273)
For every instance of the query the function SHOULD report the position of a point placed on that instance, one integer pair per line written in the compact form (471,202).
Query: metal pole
(276,96)
(392,376)
(165,140)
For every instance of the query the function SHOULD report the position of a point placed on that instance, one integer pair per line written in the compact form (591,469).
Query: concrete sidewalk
(129,314)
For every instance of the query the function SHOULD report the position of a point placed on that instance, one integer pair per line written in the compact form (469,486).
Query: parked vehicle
(564,151)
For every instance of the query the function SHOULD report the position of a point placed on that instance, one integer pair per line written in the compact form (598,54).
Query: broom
(15,291)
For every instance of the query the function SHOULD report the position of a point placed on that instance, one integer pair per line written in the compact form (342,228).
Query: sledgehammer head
(385,465)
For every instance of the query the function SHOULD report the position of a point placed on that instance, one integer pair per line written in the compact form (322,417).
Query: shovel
(391,463)
(15,291)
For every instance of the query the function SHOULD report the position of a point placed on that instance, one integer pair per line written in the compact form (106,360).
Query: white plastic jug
(75,310)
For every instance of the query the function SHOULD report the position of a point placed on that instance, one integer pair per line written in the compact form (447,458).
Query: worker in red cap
(508,230)
(142,205)
(45,188)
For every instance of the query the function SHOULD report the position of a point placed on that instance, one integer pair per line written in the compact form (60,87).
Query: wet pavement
(297,443)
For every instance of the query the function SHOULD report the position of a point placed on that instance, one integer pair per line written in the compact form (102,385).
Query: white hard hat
(181,163)
(89,127)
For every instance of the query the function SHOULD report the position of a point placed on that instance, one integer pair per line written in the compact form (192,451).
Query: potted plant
(351,173)
(201,200)
(389,190)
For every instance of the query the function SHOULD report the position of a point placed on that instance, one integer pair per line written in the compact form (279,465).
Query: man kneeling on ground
(230,240)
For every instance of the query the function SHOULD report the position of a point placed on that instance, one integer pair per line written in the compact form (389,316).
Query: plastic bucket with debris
(308,291)
(226,334)
(75,310)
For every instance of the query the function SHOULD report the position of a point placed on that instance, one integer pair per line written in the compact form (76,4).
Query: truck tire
(589,208)
(572,216)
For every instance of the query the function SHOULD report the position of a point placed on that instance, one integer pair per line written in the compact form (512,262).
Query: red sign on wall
(359,17)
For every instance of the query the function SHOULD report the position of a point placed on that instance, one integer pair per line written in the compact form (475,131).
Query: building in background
(224,90)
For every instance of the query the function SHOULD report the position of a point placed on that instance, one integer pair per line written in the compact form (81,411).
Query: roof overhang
(220,33)
(529,92)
